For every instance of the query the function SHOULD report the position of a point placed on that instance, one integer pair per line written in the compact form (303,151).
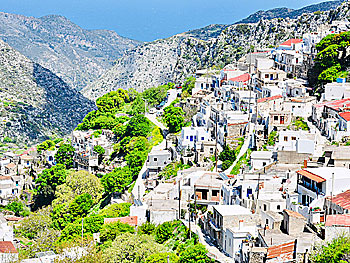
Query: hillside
(34,102)
(291,13)
(76,55)
(172,59)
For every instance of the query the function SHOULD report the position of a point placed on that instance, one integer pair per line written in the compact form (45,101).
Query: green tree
(227,154)
(117,180)
(80,205)
(110,231)
(65,155)
(195,254)
(78,183)
(163,258)
(112,101)
(164,232)
(335,251)
(189,84)
(36,222)
(138,125)
(116,210)
(100,151)
(130,248)
(45,145)
(147,228)
(47,183)
(135,161)
(91,224)
(174,118)
(18,208)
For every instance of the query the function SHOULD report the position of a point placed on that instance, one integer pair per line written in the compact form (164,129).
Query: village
(287,187)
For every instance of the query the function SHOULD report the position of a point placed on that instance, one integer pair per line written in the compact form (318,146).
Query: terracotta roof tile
(7,247)
(289,42)
(345,115)
(338,220)
(242,78)
(342,199)
(311,176)
(269,98)
(293,214)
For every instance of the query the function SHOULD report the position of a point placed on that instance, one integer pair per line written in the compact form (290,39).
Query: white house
(259,159)
(6,231)
(191,135)
(298,141)
(336,91)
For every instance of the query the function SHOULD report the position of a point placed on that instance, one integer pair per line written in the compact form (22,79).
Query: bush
(164,232)
(110,231)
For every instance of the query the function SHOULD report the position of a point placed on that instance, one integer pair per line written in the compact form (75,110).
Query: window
(211,150)
(155,159)
(278,207)
(16,183)
(266,76)
(286,138)
(294,138)
(265,207)
(275,118)
(215,192)
(264,163)
(191,138)
(202,138)
(186,137)
(267,221)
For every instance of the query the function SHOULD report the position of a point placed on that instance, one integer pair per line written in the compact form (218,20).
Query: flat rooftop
(231,210)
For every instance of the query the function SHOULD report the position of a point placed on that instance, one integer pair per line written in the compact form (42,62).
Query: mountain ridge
(77,55)
(174,58)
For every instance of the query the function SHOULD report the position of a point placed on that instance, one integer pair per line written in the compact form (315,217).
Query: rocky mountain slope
(291,13)
(34,102)
(76,55)
(172,59)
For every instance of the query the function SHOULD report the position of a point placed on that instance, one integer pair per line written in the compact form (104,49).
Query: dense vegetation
(227,156)
(338,250)
(332,60)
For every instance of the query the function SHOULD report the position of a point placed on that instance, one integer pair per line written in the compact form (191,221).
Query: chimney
(305,163)
(240,224)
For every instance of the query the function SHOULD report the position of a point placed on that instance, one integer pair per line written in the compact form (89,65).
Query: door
(282,120)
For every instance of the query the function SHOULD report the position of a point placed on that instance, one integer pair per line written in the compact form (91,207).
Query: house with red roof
(8,252)
(240,81)
(292,43)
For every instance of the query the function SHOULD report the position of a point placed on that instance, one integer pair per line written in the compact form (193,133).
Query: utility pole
(195,208)
(189,215)
(82,232)
(216,142)
(179,199)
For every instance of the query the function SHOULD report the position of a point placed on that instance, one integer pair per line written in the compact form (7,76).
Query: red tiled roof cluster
(269,98)
(242,78)
(130,220)
(345,115)
(342,199)
(338,220)
(7,247)
(289,42)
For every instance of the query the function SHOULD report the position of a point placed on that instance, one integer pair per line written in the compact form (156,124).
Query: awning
(313,177)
